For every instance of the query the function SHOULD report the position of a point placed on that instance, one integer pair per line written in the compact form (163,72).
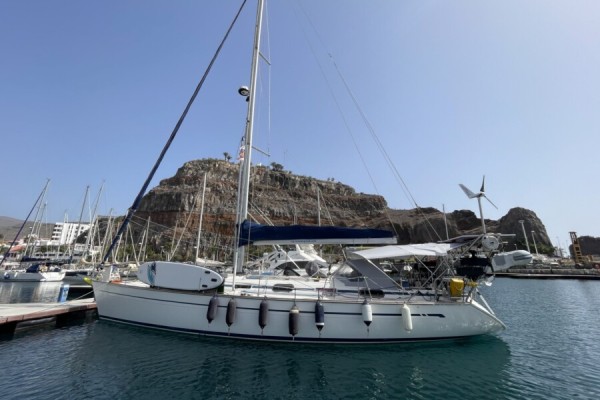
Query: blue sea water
(549,351)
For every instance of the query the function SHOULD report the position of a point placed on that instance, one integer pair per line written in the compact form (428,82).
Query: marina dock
(14,317)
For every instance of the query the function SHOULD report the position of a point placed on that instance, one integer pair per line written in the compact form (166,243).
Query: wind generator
(489,242)
(488,245)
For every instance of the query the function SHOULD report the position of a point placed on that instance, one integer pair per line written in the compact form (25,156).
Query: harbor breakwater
(552,273)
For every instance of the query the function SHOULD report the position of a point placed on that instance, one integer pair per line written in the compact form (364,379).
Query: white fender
(406,318)
(367,313)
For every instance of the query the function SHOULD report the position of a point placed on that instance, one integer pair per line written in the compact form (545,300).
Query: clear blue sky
(90,91)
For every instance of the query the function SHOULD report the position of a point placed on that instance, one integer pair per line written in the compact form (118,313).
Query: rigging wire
(382,148)
(343,116)
(185,226)
(39,199)
(140,195)
(367,123)
(156,231)
(267,60)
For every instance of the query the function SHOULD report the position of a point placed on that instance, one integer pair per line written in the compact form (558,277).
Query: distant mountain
(6,222)
(10,226)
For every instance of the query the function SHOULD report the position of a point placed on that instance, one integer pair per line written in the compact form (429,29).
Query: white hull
(23,276)
(138,304)
(282,313)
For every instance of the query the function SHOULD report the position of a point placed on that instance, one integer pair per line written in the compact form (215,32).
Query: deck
(22,315)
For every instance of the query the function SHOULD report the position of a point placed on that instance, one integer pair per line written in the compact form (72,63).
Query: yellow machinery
(577,255)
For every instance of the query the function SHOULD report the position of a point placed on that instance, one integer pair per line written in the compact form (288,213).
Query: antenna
(479,195)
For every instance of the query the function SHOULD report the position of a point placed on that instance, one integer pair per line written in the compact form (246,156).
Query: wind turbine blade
(482,185)
(465,189)
(490,201)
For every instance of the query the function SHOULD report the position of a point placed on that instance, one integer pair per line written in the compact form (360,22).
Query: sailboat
(36,270)
(193,299)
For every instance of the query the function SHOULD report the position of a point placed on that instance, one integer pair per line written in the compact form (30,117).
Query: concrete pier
(552,273)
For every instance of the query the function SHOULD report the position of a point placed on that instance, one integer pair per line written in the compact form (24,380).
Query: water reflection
(183,366)
(29,292)
(550,350)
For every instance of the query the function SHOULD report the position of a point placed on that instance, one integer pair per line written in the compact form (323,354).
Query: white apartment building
(64,233)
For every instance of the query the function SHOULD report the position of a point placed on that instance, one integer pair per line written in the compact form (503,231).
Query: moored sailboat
(377,309)
(42,271)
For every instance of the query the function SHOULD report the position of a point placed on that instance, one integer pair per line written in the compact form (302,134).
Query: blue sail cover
(257,234)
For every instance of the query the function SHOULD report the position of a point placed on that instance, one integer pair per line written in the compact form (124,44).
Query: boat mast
(89,243)
(32,243)
(200,222)
(39,199)
(35,228)
(78,229)
(318,207)
(246,163)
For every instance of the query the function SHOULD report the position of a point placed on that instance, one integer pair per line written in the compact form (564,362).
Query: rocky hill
(280,197)
(9,227)
(171,211)
(589,246)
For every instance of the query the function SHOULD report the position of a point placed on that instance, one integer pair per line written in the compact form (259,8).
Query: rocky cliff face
(282,198)
(589,246)
(279,195)
(427,224)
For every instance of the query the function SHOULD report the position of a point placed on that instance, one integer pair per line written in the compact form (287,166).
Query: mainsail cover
(257,234)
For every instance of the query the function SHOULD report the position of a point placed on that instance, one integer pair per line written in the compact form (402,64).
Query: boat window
(347,271)
(375,293)
(283,287)
(291,269)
